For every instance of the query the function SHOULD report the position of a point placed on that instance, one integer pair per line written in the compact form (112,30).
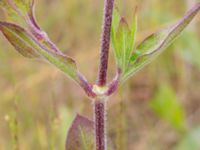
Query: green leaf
(132,38)
(153,45)
(190,141)
(122,42)
(17,10)
(115,22)
(166,105)
(123,39)
(30,47)
(11,13)
(23,5)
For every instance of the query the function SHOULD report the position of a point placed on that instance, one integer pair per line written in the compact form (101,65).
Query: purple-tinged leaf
(22,11)
(153,45)
(34,42)
(30,47)
(15,35)
(81,135)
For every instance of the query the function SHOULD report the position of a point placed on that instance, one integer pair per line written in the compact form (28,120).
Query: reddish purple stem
(99,106)
(100,125)
(105,42)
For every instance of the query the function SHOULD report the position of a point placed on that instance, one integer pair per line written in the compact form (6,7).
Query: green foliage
(5,5)
(33,42)
(190,141)
(23,5)
(166,105)
(16,8)
(130,60)
(123,39)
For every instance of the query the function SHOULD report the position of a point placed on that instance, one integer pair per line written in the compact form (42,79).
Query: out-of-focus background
(157,109)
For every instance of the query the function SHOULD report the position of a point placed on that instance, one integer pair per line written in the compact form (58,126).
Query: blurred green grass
(44,102)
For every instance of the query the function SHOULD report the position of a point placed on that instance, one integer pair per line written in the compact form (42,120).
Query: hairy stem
(99,109)
(105,42)
(99,105)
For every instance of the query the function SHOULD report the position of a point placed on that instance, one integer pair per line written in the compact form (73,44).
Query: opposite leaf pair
(32,42)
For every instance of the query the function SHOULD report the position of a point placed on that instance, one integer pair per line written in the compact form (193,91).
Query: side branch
(105,42)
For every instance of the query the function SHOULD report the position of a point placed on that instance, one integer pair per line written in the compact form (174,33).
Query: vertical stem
(99,109)
(99,104)
(105,42)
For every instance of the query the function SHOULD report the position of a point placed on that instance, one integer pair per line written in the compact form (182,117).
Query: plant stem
(105,42)
(99,104)
(99,108)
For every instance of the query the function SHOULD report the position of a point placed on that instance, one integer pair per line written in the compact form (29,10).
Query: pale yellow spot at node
(99,90)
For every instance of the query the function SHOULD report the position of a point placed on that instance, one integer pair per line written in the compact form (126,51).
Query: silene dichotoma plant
(26,36)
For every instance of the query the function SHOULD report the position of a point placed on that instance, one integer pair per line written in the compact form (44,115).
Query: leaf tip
(123,23)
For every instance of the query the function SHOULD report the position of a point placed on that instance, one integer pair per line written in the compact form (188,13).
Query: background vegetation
(158,109)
